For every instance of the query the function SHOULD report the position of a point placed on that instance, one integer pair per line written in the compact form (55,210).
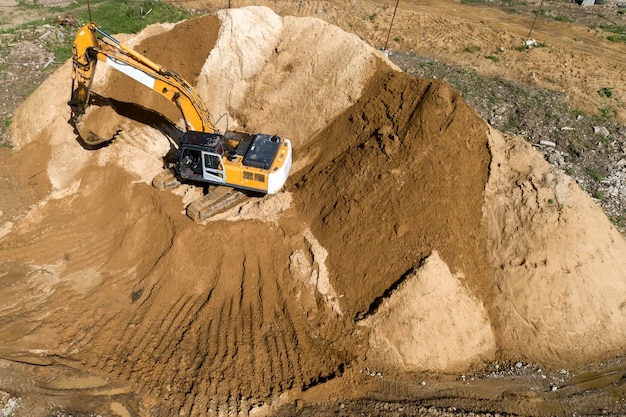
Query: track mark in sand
(227,343)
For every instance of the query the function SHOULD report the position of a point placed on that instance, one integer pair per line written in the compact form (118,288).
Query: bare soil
(117,304)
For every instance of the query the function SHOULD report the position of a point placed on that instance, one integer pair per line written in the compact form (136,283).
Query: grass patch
(116,16)
(29,5)
(131,16)
(605,92)
(563,18)
(113,16)
(62,52)
(617,33)
(547,13)
(619,221)
(472,49)
(513,122)
(494,56)
(604,114)
(4,129)
(594,175)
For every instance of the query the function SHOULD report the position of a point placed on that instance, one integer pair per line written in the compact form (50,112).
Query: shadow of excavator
(97,128)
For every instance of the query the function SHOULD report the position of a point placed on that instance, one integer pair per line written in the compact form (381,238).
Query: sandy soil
(411,239)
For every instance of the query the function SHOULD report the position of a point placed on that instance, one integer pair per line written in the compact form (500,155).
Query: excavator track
(165,180)
(217,200)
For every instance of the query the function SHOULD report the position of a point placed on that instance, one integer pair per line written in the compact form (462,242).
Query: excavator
(231,162)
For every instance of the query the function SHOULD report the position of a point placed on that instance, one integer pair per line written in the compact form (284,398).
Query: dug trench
(411,242)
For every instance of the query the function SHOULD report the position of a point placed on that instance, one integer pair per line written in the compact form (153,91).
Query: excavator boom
(88,49)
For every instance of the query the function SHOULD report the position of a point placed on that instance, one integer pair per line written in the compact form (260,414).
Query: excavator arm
(89,48)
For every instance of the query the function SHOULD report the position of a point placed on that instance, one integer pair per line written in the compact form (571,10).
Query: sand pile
(417,238)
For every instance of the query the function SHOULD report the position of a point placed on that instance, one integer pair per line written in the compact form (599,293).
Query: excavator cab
(249,161)
(200,157)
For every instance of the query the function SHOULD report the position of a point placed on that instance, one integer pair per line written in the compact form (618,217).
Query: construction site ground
(407,205)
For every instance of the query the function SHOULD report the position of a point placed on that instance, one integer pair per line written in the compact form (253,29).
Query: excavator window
(191,162)
(213,162)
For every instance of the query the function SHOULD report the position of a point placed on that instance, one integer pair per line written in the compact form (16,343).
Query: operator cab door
(213,168)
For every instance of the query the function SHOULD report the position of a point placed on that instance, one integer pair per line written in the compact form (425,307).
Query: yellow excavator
(244,161)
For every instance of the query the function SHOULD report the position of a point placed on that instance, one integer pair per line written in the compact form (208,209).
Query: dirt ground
(419,262)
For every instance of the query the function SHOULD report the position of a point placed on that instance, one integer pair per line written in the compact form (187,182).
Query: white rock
(601,130)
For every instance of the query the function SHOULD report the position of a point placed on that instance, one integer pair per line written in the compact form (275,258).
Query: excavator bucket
(97,125)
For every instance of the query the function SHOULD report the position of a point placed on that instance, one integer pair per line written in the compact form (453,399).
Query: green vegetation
(563,18)
(510,6)
(604,113)
(4,129)
(617,33)
(605,92)
(113,16)
(117,16)
(549,15)
(29,5)
(63,51)
(619,220)
(494,56)
(594,175)
(513,122)
(472,48)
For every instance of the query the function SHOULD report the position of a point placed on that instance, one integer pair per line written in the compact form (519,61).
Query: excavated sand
(411,236)
(429,300)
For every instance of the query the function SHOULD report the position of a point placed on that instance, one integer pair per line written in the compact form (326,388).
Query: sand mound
(431,322)
(228,317)
(271,64)
(558,266)
(396,176)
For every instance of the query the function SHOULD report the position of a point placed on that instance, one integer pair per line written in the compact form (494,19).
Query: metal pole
(534,20)
(393,16)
